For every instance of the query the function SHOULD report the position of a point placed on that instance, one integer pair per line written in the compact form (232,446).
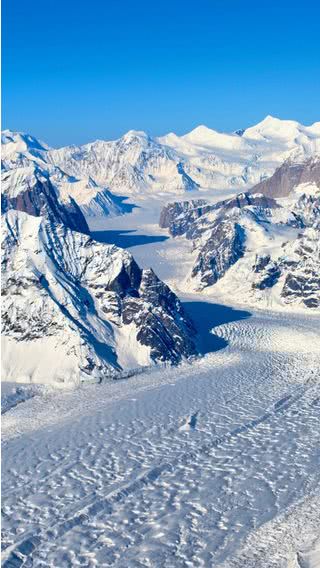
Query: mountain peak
(201,130)
(273,127)
(134,134)
(22,140)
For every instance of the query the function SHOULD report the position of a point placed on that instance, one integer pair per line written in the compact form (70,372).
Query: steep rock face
(31,183)
(38,196)
(268,272)
(288,176)
(159,316)
(71,305)
(221,249)
(178,216)
(216,230)
(302,264)
(306,211)
(253,249)
(191,218)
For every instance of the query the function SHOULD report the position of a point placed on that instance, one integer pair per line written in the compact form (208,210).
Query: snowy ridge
(252,248)
(67,295)
(204,159)
(136,163)
(25,162)
(222,161)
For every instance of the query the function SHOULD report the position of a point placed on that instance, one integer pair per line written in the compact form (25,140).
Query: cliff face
(38,197)
(288,176)
(31,183)
(81,309)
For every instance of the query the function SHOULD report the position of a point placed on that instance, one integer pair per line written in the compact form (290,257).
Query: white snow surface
(204,159)
(214,463)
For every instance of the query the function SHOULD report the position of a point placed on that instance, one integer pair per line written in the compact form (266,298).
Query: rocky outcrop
(288,176)
(180,215)
(306,212)
(221,249)
(273,249)
(160,319)
(31,183)
(70,304)
(189,217)
(216,231)
(268,272)
(41,198)
(302,264)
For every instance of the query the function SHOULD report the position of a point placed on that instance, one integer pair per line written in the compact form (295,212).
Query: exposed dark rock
(302,282)
(161,320)
(221,250)
(218,232)
(71,289)
(306,212)
(178,216)
(42,199)
(127,281)
(261,262)
(269,274)
(289,175)
(248,199)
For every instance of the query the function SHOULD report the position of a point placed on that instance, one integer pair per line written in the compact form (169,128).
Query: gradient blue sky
(77,70)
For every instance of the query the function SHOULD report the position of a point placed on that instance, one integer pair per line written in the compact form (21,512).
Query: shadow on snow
(126,238)
(207,316)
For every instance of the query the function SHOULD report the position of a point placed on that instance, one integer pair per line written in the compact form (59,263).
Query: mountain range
(136,163)
(75,309)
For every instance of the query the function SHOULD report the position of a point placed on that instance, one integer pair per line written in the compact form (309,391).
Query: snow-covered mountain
(136,163)
(29,180)
(204,159)
(252,248)
(74,309)
(91,304)
(218,160)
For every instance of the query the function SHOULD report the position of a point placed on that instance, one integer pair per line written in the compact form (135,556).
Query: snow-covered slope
(26,170)
(74,309)
(252,248)
(33,190)
(224,161)
(204,159)
(136,163)
(213,464)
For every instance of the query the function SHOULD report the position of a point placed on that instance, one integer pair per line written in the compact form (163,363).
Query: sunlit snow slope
(138,164)
(210,464)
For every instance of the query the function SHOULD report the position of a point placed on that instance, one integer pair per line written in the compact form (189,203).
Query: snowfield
(214,463)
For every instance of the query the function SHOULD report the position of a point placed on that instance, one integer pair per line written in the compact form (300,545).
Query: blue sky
(74,71)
